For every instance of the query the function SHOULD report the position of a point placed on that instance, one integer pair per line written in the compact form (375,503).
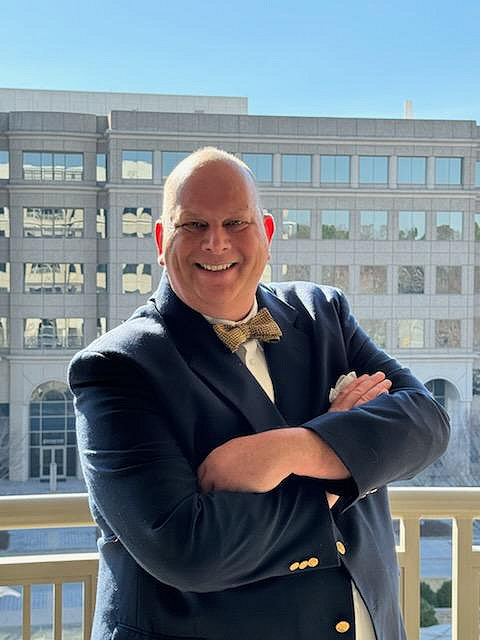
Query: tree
(428,594)
(444,594)
(427,614)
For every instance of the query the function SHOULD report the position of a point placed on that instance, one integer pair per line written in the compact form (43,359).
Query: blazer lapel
(289,360)
(213,362)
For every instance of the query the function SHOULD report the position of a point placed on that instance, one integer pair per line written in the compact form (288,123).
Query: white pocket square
(343,381)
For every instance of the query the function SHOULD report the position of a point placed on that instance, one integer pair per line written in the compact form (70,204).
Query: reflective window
(373,279)
(3,333)
(52,223)
(101,326)
(448,170)
(136,278)
(48,165)
(411,170)
(102,223)
(137,165)
(476,333)
(52,432)
(137,222)
(411,279)
(295,272)
(4,166)
(449,225)
(335,224)
(477,173)
(410,334)
(261,165)
(296,168)
(477,227)
(4,222)
(476,280)
(448,279)
(373,169)
(295,224)
(411,225)
(447,333)
(53,333)
(335,169)
(53,277)
(438,391)
(376,330)
(101,278)
(4,277)
(336,276)
(373,225)
(170,159)
(101,167)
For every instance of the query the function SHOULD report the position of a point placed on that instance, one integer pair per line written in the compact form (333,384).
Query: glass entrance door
(52,454)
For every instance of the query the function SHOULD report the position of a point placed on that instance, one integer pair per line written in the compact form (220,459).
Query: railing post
(411,589)
(464,607)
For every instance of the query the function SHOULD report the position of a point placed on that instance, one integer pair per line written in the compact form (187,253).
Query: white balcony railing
(410,505)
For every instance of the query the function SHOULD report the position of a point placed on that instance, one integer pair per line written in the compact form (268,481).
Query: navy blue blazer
(155,395)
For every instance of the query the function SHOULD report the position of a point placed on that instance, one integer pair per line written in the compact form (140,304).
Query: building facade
(388,210)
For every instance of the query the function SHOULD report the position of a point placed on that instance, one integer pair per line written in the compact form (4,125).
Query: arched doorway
(52,431)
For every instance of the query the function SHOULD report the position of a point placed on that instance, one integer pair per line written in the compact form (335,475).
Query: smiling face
(215,243)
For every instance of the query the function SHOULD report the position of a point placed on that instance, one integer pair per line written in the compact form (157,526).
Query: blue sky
(352,58)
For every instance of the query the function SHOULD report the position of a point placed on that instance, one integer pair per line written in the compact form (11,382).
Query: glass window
(449,225)
(3,333)
(137,222)
(411,170)
(476,333)
(448,171)
(4,222)
(101,278)
(449,280)
(477,227)
(336,276)
(411,279)
(477,173)
(376,330)
(335,169)
(411,225)
(438,391)
(5,276)
(101,326)
(102,223)
(52,223)
(136,278)
(101,167)
(335,224)
(373,279)
(261,165)
(296,168)
(296,223)
(137,165)
(373,169)
(410,334)
(53,277)
(53,333)
(170,159)
(295,272)
(447,333)
(373,225)
(4,166)
(476,280)
(48,165)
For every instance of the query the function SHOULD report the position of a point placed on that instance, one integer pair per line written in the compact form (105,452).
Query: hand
(361,390)
(256,462)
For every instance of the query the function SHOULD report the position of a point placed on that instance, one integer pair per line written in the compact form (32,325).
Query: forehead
(213,185)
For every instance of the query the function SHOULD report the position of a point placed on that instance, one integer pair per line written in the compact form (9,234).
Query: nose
(216,239)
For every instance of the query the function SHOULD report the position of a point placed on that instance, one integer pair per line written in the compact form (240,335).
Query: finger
(363,386)
(370,394)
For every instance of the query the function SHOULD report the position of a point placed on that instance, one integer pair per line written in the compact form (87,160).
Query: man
(214,465)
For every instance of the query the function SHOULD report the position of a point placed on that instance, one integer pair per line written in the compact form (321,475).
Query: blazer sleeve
(392,437)
(142,485)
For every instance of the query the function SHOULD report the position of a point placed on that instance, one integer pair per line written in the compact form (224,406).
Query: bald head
(192,165)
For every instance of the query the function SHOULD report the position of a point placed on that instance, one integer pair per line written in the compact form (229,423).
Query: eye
(193,225)
(237,224)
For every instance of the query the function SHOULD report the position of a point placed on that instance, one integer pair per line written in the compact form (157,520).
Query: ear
(159,242)
(269,224)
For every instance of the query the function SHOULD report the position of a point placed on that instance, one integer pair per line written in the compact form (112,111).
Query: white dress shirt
(252,355)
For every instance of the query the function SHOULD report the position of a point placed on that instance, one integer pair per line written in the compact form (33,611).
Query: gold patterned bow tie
(261,327)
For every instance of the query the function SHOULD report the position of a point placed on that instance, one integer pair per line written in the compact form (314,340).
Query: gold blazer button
(312,562)
(294,566)
(341,547)
(303,564)
(342,626)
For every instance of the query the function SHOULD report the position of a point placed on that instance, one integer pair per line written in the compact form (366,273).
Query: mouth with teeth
(216,267)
